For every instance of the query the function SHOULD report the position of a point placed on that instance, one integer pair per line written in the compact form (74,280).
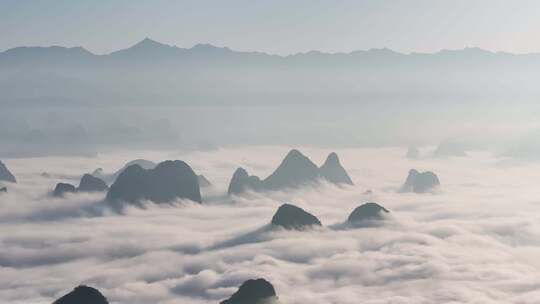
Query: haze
(275,27)
(242,152)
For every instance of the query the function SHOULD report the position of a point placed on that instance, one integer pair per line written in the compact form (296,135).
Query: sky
(276,27)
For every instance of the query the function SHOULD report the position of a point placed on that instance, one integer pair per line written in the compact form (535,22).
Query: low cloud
(475,241)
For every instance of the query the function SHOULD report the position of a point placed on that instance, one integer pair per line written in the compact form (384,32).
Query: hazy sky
(276,26)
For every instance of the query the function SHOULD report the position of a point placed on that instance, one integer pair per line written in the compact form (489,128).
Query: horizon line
(150,40)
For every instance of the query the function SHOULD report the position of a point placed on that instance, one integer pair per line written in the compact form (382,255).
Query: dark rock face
(291,217)
(173,179)
(131,185)
(5,174)
(143,163)
(333,172)
(242,181)
(168,181)
(90,183)
(62,188)
(420,182)
(203,181)
(413,153)
(110,178)
(367,211)
(3,189)
(83,295)
(258,291)
(295,170)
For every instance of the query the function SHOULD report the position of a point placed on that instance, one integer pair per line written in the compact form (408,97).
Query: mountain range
(154,52)
(166,74)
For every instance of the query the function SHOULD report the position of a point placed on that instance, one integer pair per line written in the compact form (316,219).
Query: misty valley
(261,224)
(269,152)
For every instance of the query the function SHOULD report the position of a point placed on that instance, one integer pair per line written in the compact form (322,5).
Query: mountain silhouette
(332,171)
(90,183)
(5,174)
(62,188)
(367,211)
(113,75)
(147,49)
(168,181)
(294,171)
(420,182)
(292,217)
(82,295)
(242,181)
(258,291)
(47,56)
(143,163)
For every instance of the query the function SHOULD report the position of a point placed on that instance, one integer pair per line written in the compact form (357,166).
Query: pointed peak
(295,156)
(147,42)
(294,153)
(147,47)
(83,294)
(332,159)
(5,174)
(240,171)
(333,171)
(253,291)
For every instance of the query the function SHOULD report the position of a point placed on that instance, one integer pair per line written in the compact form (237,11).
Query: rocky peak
(257,291)
(333,171)
(5,174)
(83,295)
(292,217)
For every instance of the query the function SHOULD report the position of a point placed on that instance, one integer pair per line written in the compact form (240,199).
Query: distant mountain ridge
(150,70)
(156,52)
(145,48)
(148,44)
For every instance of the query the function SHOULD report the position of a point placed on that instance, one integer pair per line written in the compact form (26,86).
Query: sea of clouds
(476,240)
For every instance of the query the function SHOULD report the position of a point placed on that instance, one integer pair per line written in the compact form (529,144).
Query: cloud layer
(475,241)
